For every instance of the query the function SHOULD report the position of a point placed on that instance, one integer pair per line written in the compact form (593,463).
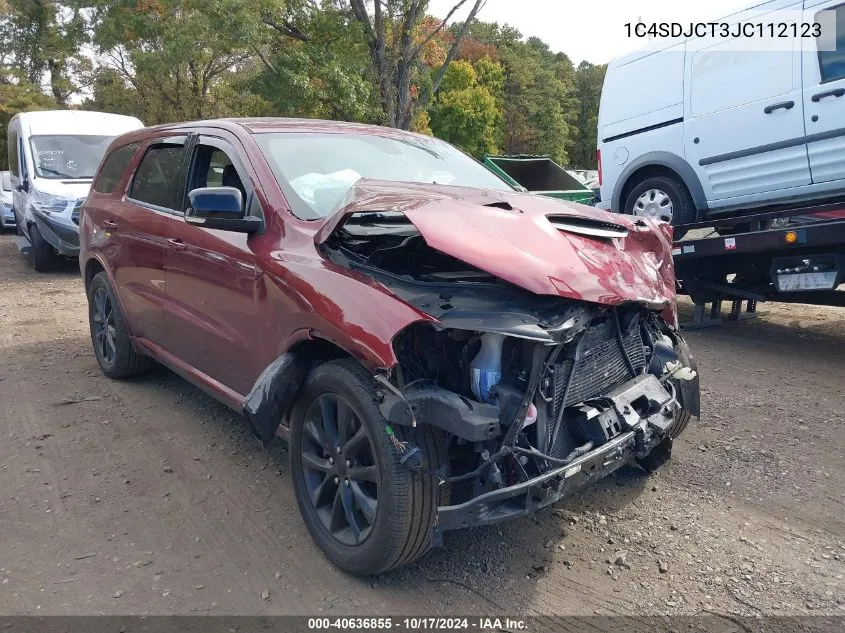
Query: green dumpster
(540,175)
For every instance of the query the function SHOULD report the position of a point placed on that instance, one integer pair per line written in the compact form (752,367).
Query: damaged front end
(537,395)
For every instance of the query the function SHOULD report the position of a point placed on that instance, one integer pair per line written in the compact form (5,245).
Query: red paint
(521,246)
(218,307)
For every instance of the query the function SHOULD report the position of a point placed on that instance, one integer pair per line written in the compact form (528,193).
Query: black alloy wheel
(102,324)
(339,468)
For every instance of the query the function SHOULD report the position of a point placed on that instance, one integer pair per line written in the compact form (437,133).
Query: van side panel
(642,93)
(641,110)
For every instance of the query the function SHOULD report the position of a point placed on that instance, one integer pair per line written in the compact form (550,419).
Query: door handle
(836,92)
(177,244)
(783,105)
(110,224)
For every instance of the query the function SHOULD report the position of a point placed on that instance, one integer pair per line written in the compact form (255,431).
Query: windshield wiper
(58,173)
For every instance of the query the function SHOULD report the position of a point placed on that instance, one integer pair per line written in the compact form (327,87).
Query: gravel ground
(148,497)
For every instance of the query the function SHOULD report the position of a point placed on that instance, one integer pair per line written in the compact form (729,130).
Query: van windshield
(68,156)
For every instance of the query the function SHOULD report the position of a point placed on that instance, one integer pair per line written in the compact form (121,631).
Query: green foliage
(179,59)
(320,78)
(40,42)
(466,113)
(479,85)
(21,96)
(587,94)
(534,99)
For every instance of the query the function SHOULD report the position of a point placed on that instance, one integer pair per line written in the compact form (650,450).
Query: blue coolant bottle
(486,367)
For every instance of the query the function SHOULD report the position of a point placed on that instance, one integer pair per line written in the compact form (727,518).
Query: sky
(591,30)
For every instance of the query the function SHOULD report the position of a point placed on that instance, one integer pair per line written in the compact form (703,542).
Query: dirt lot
(148,497)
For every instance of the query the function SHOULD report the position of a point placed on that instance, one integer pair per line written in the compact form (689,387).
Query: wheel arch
(90,269)
(658,164)
(274,393)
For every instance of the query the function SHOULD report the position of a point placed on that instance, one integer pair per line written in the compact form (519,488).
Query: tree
(466,112)
(17,95)
(178,56)
(395,52)
(319,76)
(534,99)
(42,40)
(587,95)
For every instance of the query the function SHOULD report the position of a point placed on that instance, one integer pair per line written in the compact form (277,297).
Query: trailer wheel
(661,198)
(364,509)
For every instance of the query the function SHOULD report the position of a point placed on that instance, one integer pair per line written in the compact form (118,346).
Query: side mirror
(25,185)
(220,208)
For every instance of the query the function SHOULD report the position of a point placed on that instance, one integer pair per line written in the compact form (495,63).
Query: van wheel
(112,346)
(363,508)
(44,256)
(661,198)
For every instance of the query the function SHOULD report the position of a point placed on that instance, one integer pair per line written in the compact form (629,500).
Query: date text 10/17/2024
(420,623)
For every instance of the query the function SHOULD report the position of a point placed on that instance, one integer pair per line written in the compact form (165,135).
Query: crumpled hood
(510,235)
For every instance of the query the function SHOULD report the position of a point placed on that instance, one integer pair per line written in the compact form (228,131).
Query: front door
(743,119)
(213,284)
(824,91)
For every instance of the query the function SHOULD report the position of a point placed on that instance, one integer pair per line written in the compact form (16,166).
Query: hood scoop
(587,226)
(500,205)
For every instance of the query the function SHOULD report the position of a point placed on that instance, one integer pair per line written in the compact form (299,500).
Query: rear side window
(158,179)
(832,63)
(113,168)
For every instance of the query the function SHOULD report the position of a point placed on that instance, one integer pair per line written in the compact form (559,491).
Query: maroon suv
(440,350)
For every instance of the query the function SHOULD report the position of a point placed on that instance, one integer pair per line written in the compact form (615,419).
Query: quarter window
(113,167)
(832,63)
(159,176)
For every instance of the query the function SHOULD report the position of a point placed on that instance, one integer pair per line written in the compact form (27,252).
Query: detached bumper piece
(629,423)
(60,232)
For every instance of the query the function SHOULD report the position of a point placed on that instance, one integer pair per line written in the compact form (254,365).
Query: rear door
(743,119)
(215,290)
(137,229)
(824,91)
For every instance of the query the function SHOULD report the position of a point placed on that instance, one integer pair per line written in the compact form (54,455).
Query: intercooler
(599,368)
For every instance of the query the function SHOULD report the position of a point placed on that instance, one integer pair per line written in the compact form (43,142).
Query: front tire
(44,256)
(682,418)
(109,335)
(366,512)
(661,198)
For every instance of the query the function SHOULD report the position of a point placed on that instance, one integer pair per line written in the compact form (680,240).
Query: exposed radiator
(600,368)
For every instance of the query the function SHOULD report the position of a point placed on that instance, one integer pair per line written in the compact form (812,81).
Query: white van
(53,156)
(700,128)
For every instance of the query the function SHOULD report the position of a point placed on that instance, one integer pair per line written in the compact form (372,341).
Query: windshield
(68,156)
(5,181)
(315,171)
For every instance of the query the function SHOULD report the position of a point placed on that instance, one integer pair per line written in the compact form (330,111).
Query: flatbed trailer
(795,255)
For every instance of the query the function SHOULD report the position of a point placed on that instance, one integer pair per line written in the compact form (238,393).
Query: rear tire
(109,335)
(337,403)
(668,190)
(44,256)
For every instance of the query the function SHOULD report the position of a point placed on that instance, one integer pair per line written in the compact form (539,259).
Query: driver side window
(214,168)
